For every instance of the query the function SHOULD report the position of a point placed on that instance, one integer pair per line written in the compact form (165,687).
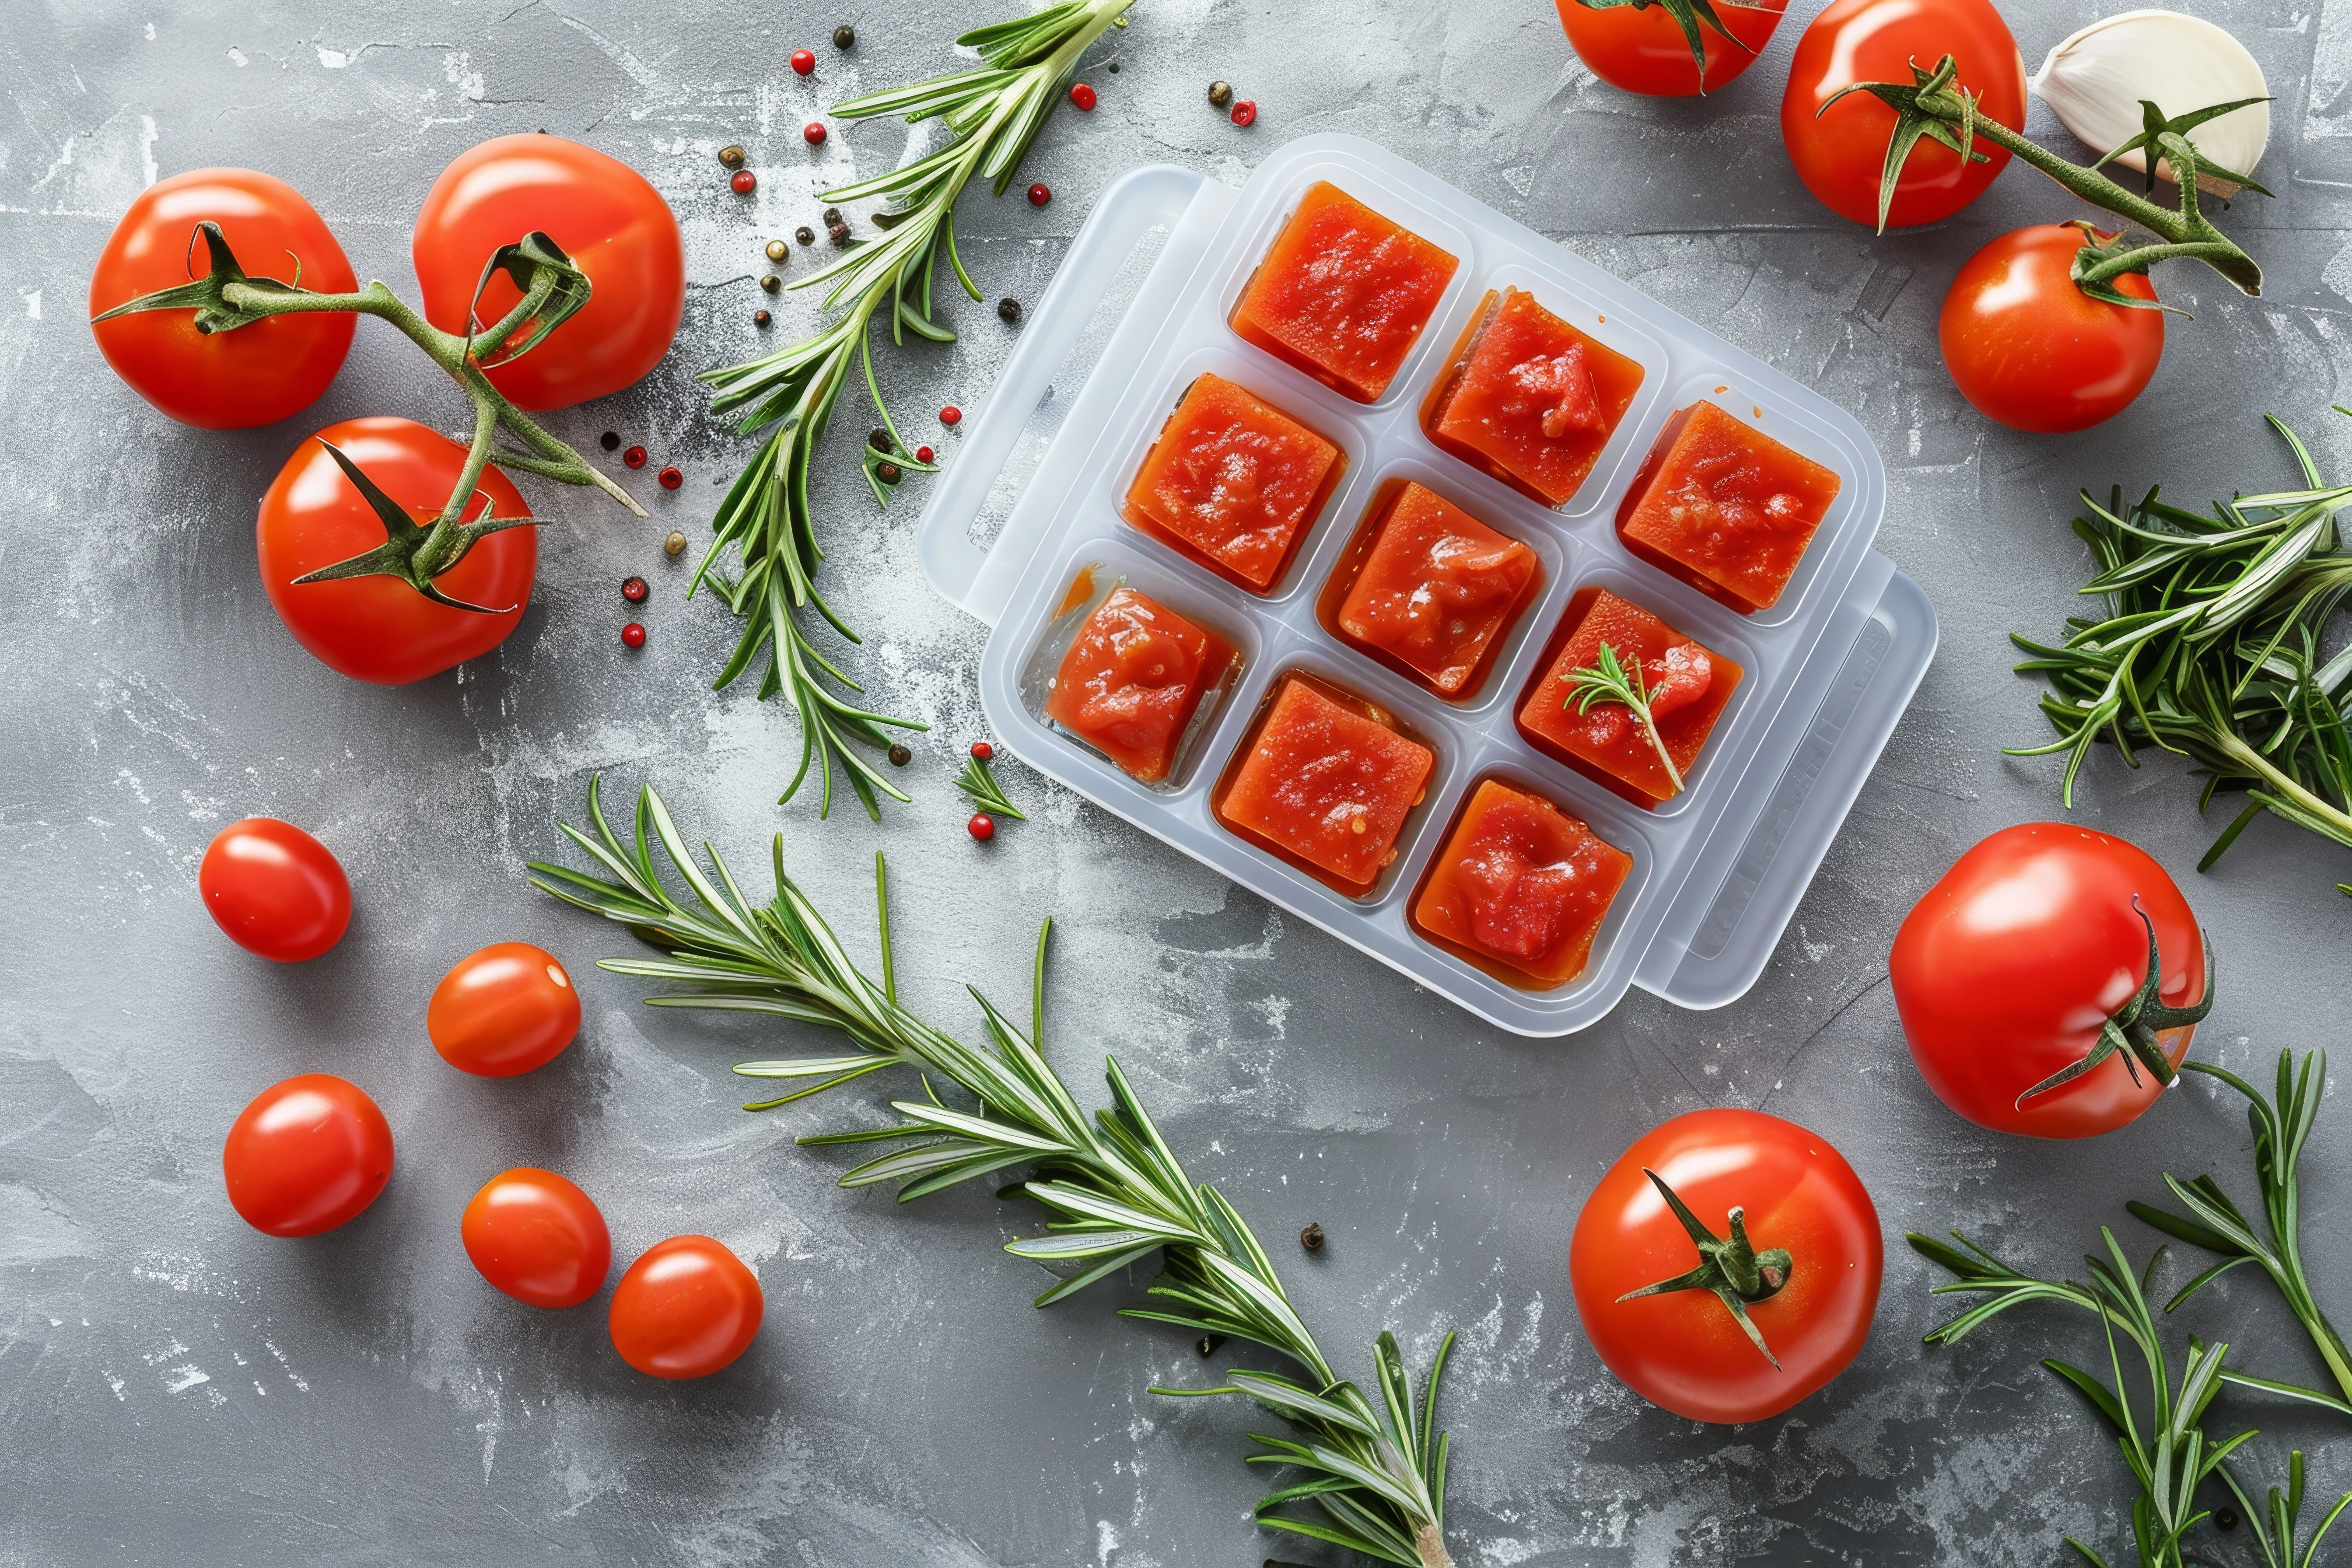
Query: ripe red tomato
(1646,51)
(537,1238)
(2006,971)
(1841,153)
(307,1156)
(686,1309)
(255,374)
(504,1010)
(1808,1221)
(380,629)
(2034,352)
(274,890)
(612,223)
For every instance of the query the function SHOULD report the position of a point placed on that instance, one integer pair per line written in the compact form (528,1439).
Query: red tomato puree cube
(1725,507)
(1522,885)
(1326,784)
(1343,293)
(1534,401)
(1688,686)
(1232,483)
(1437,589)
(1134,676)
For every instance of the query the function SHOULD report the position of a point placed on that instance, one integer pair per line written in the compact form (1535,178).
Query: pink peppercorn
(670,478)
(1244,112)
(805,61)
(632,636)
(635,456)
(982,827)
(922,454)
(1039,195)
(951,415)
(744,181)
(813,131)
(1083,96)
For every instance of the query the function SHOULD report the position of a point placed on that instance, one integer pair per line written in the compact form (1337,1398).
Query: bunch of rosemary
(2213,646)
(992,111)
(1372,1467)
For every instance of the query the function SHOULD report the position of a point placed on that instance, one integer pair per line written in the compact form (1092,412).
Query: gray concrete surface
(176,1387)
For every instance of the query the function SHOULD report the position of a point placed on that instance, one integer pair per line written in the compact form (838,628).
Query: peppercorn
(832,216)
(843,36)
(610,440)
(1083,96)
(1008,310)
(805,61)
(634,589)
(951,415)
(778,250)
(812,133)
(806,235)
(2226,1517)
(900,756)
(887,473)
(1039,195)
(635,456)
(1112,67)
(731,157)
(1245,112)
(1221,93)
(632,636)
(670,478)
(744,182)
(837,232)
(982,827)
(1311,1239)
(771,283)
(760,318)
(879,439)
(675,544)
(982,752)
(922,454)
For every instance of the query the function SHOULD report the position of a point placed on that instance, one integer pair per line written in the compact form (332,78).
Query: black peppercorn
(610,440)
(771,283)
(778,250)
(732,157)
(1221,93)
(675,544)
(843,36)
(879,439)
(900,756)
(887,473)
(761,318)
(832,216)
(1311,1239)
(2226,1517)
(1112,67)
(806,235)
(1009,309)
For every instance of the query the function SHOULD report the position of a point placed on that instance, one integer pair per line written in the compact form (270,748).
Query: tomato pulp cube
(1434,591)
(1725,508)
(1326,781)
(1344,293)
(1520,889)
(1132,680)
(1532,401)
(1689,684)
(1232,483)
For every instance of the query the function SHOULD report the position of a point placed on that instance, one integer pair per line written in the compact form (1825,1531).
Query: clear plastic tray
(1718,870)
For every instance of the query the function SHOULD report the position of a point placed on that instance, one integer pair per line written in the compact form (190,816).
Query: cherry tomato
(503,1011)
(612,224)
(274,890)
(686,1309)
(1809,1224)
(2034,352)
(255,374)
(1841,153)
(307,1156)
(1646,51)
(380,628)
(2006,970)
(537,1238)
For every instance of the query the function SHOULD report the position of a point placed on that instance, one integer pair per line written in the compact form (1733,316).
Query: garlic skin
(2096,79)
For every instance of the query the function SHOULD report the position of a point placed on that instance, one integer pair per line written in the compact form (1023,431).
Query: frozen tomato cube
(1326,784)
(1725,507)
(1534,401)
(1436,590)
(1232,483)
(1134,676)
(1343,293)
(1688,686)
(1521,885)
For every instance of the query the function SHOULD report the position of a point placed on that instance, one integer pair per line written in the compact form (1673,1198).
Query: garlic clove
(2095,80)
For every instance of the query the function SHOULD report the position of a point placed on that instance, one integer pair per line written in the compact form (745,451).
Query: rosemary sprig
(2213,648)
(2167,1449)
(1607,680)
(987,795)
(1374,1468)
(992,111)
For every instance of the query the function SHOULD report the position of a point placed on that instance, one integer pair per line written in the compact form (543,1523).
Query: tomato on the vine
(274,890)
(687,1309)
(503,1010)
(255,374)
(1841,152)
(380,628)
(1771,1304)
(2028,989)
(537,1238)
(1641,46)
(2030,350)
(605,214)
(307,1156)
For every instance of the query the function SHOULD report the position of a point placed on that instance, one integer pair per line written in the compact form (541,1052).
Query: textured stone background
(175,1386)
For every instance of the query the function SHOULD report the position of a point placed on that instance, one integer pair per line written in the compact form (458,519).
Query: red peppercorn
(634,589)
(1244,112)
(1039,195)
(983,751)
(805,61)
(670,478)
(982,827)
(635,456)
(632,636)
(813,131)
(1083,96)
(951,415)
(744,181)
(922,454)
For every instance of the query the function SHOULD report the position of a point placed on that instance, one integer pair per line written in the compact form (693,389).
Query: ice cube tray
(1718,870)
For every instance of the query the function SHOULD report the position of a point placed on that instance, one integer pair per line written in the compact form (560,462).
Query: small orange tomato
(504,1010)
(537,1238)
(687,1309)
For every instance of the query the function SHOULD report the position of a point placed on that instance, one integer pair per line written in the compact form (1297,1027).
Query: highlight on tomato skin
(687,1309)
(1646,51)
(537,1238)
(307,1156)
(274,890)
(2030,350)
(504,1010)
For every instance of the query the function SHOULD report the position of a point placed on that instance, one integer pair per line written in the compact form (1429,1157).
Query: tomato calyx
(2093,275)
(1731,1270)
(1934,106)
(1689,15)
(553,290)
(414,555)
(2132,1031)
(208,295)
